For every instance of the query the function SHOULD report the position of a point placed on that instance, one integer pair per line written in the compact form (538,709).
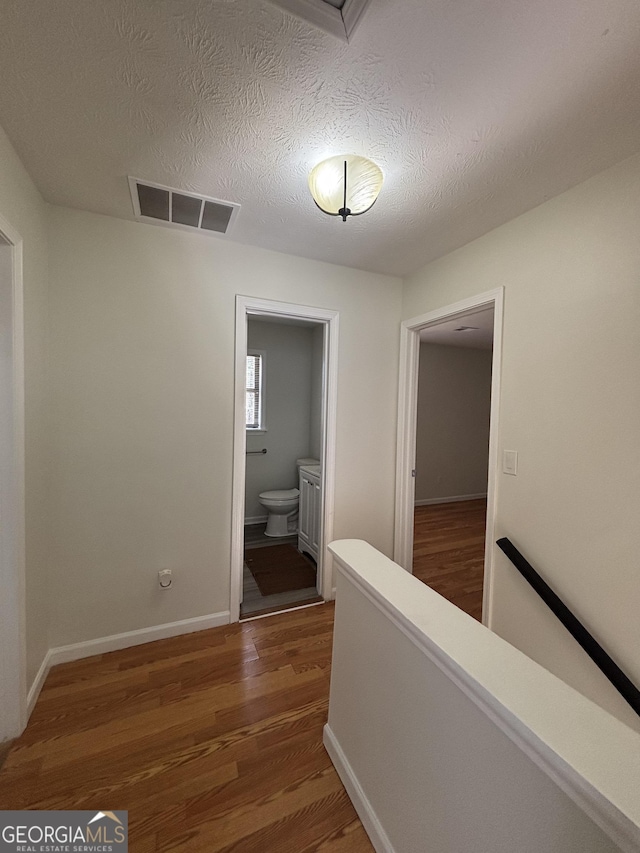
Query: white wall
(142,415)
(288,359)
(570,406)
(452,438)
(23,208)
(437,728)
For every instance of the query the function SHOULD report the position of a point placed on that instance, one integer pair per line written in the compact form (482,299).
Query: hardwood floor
(212,741)
(448,551)
(4,751)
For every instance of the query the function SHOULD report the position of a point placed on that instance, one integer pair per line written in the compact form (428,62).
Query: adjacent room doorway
(451,501)
(13,699)
(452,457)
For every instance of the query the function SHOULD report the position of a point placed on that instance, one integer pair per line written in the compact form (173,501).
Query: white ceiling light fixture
(345,185)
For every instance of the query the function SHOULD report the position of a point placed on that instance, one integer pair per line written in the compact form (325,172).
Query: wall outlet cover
(165,579)
(510,462)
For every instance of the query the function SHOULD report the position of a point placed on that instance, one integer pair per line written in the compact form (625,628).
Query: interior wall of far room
(287,400)
(452,434)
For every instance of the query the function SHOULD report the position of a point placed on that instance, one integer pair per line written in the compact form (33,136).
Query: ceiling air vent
(178,209)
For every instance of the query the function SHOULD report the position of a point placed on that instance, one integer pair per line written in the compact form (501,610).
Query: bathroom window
(255,391)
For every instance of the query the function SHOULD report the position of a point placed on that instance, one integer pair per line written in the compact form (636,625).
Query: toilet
(282,506)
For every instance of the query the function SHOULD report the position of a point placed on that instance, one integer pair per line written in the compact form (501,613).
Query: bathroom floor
(253,602)
(254,537)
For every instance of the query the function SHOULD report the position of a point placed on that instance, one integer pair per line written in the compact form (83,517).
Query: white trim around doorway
(247,306)
(407,417)
(13,669)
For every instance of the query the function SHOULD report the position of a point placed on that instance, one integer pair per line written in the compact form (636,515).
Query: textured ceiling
(476,110)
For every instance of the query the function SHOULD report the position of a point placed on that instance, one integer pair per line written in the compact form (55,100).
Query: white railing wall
(449,740)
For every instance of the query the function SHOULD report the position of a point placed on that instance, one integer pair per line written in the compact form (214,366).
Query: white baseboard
(450,500)
(257,519)
(294,608)
(101,645)
(38,681)
(372,825)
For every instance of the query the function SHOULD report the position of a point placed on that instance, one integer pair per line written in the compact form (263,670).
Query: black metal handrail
(592,647)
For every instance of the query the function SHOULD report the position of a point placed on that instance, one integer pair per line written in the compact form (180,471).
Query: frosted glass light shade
(364,182)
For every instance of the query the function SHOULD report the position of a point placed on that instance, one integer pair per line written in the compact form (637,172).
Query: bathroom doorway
(283,434)
(283,457)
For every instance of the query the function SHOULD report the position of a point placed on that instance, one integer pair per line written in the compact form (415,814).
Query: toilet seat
(280,495)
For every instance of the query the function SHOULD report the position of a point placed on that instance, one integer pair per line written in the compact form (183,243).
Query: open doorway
(284,448)
(13,700)
(283,496)
(448,521)
(452,457)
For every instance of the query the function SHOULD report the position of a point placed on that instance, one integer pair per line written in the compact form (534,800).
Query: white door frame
(13,670)
(407,418)
(248,306)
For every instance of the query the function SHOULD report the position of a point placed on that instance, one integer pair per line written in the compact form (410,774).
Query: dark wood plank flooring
(4,751)
(212,741)
(254,603)
(280,569)
(448,551)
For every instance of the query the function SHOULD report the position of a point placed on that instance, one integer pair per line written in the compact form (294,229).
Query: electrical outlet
(164,579)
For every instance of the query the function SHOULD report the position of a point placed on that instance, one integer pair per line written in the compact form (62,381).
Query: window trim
(262,409)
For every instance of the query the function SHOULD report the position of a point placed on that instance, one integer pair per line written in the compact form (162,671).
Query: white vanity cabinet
(309,511)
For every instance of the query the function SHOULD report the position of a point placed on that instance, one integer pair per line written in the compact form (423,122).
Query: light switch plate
(510,462)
